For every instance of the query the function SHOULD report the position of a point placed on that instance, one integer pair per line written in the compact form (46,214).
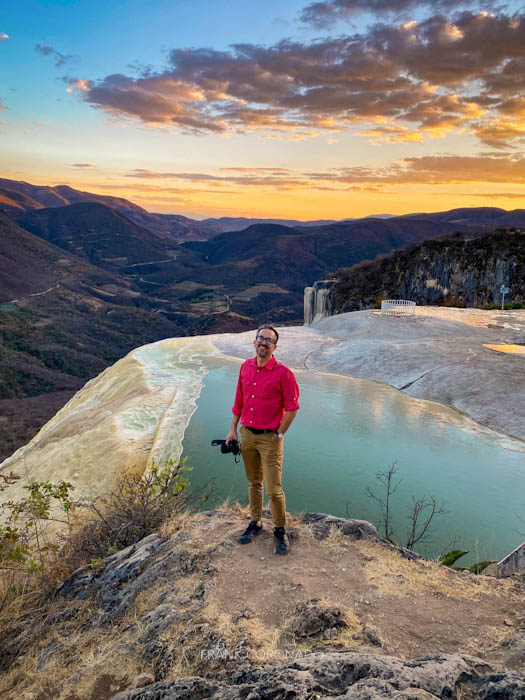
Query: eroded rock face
(348,675)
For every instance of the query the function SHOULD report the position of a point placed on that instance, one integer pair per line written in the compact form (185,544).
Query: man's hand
(232,435)
(285,423)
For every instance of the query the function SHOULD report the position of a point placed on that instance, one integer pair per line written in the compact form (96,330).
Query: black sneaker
(251,531)
(281,541)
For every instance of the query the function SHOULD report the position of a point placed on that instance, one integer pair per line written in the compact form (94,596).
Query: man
(266,402)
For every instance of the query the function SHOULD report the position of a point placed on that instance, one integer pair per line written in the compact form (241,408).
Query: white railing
(398,307)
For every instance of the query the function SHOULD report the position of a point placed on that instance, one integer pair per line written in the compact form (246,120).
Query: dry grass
(336,540)
(187,586)
(386,569)
(260,640)
(493,636)
(177,523)
(222,623)
(237,508)
(148,600)
(80,661)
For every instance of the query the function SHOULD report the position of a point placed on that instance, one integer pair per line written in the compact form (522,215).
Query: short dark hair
(269,328)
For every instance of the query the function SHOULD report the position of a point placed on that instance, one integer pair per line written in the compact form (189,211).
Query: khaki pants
(263,460)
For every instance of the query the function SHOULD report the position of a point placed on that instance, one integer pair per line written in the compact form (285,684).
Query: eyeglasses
(262,339)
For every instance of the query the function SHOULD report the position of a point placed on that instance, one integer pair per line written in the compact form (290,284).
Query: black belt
(260,431)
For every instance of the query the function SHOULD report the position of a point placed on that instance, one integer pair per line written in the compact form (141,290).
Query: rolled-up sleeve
(239,402)
(290,391)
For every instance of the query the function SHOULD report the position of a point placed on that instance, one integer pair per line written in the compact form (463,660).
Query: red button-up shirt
(265,393)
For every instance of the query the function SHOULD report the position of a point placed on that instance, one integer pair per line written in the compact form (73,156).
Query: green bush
(451,557)
(24,542)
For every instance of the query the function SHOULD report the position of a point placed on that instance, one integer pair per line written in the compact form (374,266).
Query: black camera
(227,447)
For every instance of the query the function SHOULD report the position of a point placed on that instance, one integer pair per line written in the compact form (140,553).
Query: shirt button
(253,396)
(251,409)
(255,383)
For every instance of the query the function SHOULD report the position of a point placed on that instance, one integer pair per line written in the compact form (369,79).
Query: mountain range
(17,198)
(84,278)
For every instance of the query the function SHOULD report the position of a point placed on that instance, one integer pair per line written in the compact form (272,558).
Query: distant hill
(29,265)
(473,218)
(98,233)
(63,320)
(63,195)
(16,204)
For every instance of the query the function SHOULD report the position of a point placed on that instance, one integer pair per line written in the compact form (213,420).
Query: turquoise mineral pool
(347,430)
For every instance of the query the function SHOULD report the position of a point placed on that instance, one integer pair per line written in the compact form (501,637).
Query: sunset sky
(330,109)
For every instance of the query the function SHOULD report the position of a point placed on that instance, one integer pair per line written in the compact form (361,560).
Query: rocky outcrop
(193,615)
(319,301)
(349,675)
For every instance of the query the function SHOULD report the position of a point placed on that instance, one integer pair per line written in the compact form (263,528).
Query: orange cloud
(500,133)
(76,84)
(392,134)
(433,170)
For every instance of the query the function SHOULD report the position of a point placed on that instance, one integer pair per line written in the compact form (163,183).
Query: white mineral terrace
(136,411)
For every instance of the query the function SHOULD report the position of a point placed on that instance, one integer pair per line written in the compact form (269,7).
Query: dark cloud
(434,170)
(430,77)
(324,14)
(159,192)
(493,195)
(277,178)
(60,58)
(83,165)
(275,171)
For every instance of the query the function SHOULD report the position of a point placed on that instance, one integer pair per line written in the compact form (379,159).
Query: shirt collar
(269,365)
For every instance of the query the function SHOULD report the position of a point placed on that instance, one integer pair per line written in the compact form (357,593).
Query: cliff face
(453,271)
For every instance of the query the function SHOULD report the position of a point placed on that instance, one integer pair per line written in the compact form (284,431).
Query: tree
(386,478)
(421,513)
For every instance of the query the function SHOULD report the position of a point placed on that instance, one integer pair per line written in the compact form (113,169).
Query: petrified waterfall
(319,301)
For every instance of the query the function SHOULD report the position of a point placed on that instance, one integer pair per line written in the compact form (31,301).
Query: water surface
(348,429)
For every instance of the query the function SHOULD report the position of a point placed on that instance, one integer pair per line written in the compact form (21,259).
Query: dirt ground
(412,608)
